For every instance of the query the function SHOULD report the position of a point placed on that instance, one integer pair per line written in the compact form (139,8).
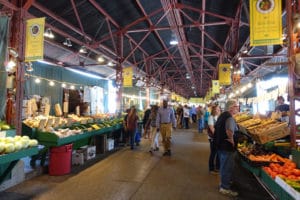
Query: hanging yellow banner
(127,75)
(215,87)
(265,22)
(34,47)
(224,74)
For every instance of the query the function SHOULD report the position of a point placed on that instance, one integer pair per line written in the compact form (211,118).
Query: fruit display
(4,125)
(13,144)
(35,122)
(242,117)
(287,171)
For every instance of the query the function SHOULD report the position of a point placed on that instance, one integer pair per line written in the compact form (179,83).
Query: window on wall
(112,106)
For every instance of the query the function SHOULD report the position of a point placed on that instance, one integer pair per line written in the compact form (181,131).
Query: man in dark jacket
(225,129)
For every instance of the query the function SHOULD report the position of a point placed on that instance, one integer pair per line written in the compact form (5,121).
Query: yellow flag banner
(127,75)
(34,47)
(215,87)
(224,74)
(265,22)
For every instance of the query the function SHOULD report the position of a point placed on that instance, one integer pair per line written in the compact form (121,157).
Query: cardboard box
(89,152)
(77,158)
(110,144)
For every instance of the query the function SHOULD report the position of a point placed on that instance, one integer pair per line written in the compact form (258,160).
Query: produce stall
(12,149)
(78,133)
(269,155)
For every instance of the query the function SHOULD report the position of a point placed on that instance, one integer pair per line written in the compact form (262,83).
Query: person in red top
(132,124)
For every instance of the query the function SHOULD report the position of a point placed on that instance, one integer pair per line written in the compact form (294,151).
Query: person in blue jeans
(225,128)
(200,113)
(214,161)
(132,123)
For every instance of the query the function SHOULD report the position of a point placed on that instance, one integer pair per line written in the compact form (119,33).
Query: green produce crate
(274,187)
(6,158)
(50,139)
(254,170)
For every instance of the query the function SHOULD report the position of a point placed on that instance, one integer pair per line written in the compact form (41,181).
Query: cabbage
(33,143)
(9,140)
(25,137)
(18,145)
(9,147)
(17,137)
(24,143)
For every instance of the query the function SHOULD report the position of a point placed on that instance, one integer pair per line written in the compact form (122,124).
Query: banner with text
(34,47)
(224,74)
(265,22)
(215,87)
(127,75)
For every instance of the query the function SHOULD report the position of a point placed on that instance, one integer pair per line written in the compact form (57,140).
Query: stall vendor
(283,108)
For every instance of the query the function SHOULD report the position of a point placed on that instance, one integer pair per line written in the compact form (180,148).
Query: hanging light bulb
(63,85)
(51,83)
(72,87)
(11,65)
(37,80)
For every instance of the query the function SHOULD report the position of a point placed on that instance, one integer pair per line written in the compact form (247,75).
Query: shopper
(200,114)
(194,114)
(206,116)
(213,162)
(153,129)
(132,123)
(179,116)
(145,120)
(125,130)
(225,128)
(186,116)
(165,119)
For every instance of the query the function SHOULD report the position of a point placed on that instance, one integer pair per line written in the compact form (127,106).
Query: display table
(8,161)
(52,140)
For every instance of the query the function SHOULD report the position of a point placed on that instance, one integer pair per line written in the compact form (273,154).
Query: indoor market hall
(126,174)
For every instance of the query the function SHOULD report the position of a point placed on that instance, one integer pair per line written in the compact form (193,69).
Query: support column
(119,74)
(18,42)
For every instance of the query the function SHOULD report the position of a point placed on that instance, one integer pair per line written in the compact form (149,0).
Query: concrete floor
(136,175)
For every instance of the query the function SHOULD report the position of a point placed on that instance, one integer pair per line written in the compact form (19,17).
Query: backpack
(220,135)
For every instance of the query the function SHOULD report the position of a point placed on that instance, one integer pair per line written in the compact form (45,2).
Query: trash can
(60,160)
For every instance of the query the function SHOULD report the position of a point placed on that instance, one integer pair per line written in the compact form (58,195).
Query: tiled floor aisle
(136,175)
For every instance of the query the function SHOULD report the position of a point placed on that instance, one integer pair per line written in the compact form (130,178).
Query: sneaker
(228,192)
(151,151)
(213,172)
(156,149)
(167,153)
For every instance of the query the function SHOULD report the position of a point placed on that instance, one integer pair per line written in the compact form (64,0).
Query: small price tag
(69,122)
(49,123)
(56,122)
(2,134)
(42,124)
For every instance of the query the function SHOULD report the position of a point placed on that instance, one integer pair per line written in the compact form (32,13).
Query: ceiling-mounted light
(101,59)
(83,49)
(13,52)
(29,66)
(67,42)
(72,87)
(173,42)
(63,85)
(187,76)
(110,63)
(48,33)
